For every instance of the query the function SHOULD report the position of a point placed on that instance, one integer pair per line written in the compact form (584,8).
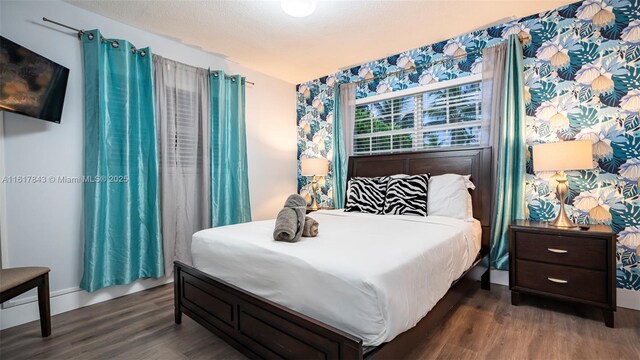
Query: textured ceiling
(339,34)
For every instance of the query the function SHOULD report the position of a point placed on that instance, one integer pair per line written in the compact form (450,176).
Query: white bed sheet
(373,276)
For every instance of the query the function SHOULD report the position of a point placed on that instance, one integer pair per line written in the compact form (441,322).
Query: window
(442,116)
(184,143)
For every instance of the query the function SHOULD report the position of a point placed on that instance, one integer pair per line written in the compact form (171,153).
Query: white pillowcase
(449,196)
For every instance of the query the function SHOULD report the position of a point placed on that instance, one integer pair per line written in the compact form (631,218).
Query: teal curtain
(229,175)
(121,214)
(339,160)
(509,197)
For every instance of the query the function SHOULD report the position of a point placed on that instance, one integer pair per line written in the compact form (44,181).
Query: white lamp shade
(563,155)
(314,166)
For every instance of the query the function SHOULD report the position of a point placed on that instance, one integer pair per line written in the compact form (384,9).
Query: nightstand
(324,208)
(566,264)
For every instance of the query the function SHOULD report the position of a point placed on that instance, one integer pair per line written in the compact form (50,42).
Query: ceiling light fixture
(298,8)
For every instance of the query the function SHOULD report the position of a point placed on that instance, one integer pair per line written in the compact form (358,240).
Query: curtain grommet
(90,36)
(143,53)
(115,44)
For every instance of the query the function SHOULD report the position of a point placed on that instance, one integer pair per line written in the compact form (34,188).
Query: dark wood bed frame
(260,328)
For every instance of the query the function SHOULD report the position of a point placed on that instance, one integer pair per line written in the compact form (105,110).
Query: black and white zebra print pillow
(366,194)
(407,196)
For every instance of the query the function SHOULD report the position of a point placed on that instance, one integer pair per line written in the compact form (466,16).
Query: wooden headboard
(468,161)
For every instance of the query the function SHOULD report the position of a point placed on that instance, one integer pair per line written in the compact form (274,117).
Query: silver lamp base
(562,220)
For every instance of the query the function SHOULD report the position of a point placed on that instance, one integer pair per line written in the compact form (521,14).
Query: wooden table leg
(608,317)
(44,306)
(515,298)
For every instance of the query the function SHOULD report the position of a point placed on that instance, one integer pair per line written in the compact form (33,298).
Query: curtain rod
(429,64)
(80,32)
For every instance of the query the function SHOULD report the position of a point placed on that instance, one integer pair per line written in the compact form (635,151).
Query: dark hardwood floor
(484,326)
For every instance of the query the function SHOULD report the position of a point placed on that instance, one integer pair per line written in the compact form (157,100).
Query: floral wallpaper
(582,74)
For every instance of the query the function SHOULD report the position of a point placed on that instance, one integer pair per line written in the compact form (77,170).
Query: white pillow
(449,196)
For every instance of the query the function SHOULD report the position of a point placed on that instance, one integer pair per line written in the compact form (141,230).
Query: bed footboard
(255,326)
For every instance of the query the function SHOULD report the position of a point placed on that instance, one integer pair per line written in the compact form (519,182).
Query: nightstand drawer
(583,252)
(572,282)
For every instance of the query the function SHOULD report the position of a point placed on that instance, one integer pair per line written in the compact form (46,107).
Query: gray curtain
(183,117)
(493,73)
(348,113)
(493,70)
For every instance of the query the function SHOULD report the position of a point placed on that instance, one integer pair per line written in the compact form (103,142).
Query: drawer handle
(557,251)
(557,281)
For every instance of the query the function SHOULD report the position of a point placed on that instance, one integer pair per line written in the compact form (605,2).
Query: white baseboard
(22,300)
(500,277)
(626,298)
(26,310)
(629,299)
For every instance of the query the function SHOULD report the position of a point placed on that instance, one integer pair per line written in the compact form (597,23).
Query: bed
(372,276)
(351,293)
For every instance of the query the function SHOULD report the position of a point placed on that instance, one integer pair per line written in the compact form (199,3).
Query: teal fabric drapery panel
(121,214)
(339,153)
(344,115)
(229,176)
(509,197)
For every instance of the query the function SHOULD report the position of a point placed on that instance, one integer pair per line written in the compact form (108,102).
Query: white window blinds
(183,134)
(441,117)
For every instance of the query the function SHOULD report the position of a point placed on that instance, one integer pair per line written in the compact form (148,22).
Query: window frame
(418,129)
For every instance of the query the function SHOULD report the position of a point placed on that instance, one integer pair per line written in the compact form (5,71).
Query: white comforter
(374,276)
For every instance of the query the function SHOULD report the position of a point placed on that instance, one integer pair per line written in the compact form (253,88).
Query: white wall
(44,220)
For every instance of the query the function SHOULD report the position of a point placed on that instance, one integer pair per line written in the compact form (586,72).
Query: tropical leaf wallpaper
(582,74)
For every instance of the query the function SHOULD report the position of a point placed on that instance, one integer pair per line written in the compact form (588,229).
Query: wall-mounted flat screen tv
(31,84)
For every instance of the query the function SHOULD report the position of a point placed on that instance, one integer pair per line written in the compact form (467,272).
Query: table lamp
(561,156)
(314,167)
